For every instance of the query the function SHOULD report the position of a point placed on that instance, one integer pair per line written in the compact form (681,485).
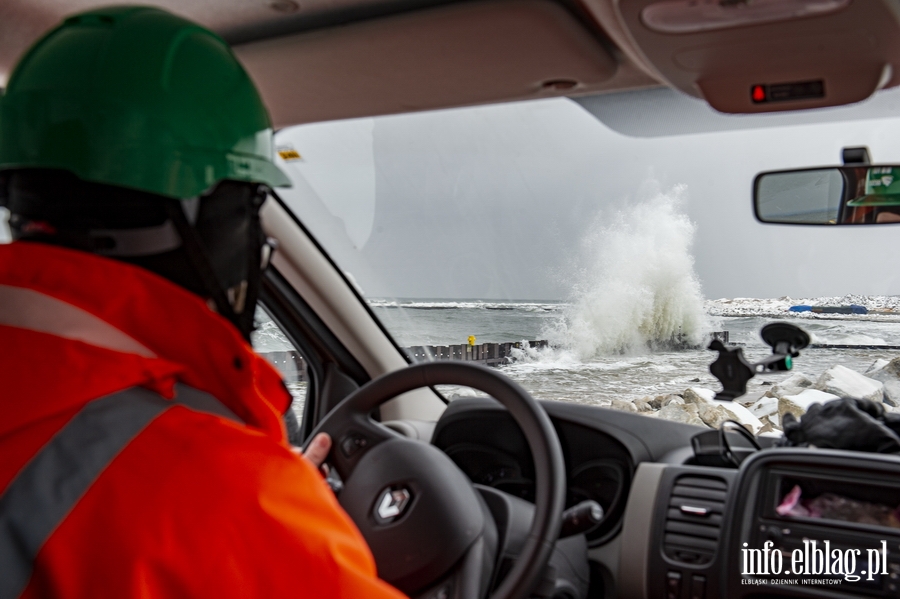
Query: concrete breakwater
(292,365)
(488,354)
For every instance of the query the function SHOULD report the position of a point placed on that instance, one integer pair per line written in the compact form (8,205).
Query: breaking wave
(639,289)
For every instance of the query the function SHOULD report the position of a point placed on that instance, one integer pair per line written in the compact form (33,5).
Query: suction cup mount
(785,338)
(733,370)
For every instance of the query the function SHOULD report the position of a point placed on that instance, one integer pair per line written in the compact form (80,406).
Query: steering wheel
(427,526)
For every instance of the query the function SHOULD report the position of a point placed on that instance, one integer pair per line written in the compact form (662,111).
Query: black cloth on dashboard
(855,424)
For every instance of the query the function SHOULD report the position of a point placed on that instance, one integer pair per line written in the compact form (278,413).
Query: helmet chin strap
(236,303)
(200,261)
(247,292)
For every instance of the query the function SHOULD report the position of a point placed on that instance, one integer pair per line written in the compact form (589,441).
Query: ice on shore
(887,372)
(880,307)
(799,404)
(764,414)
(685,413)
(843,382)
(765,407)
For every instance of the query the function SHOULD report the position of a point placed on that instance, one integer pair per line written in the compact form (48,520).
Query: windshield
(591,265)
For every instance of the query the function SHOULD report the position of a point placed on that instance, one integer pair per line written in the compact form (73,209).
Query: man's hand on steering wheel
(317,451)
(429,529)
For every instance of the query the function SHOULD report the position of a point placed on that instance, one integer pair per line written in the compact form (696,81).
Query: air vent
(694,519)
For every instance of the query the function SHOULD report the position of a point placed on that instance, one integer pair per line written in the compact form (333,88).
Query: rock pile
(762,413)
(887,372)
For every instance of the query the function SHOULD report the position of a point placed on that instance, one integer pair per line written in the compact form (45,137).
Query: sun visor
(441,57)
(768,55)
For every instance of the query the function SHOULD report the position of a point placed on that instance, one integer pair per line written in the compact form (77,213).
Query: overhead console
(766,56)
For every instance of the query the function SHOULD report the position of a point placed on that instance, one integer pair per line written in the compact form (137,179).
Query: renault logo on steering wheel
(391,504)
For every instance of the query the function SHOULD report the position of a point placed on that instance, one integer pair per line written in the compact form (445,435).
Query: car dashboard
(676,530)
(484,441)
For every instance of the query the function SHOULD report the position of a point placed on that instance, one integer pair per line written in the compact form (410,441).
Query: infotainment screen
(839,500)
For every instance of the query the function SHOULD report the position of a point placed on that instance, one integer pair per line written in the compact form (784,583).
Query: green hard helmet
(882,188)
(138,98)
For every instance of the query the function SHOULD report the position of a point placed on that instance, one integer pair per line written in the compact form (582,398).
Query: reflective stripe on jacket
(53,481)
(178,481)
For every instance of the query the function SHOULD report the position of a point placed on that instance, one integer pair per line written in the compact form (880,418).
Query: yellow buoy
(472,340)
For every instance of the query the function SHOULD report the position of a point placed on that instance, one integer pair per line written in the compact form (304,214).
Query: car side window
(271,343)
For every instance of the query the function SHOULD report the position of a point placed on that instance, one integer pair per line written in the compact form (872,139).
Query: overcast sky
(495,202)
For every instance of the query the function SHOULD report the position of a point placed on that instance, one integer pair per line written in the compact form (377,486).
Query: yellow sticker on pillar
(288,153)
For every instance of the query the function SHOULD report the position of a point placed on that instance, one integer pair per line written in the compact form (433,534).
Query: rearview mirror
(840,195)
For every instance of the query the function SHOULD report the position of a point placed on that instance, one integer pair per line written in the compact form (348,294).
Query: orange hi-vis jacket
(142,452)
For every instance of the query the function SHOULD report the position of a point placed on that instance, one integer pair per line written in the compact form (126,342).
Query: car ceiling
(319,60)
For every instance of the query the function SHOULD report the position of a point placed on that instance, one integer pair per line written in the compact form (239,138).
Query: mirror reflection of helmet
(134,133)
(882,188)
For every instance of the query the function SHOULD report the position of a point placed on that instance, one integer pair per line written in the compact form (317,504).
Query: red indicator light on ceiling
(758,93)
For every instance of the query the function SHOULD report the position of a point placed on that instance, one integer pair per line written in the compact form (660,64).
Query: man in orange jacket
(144,452)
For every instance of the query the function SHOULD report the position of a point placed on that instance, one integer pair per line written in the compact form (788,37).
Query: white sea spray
(639,289)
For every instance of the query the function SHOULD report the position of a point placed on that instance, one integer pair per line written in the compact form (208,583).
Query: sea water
(562,372)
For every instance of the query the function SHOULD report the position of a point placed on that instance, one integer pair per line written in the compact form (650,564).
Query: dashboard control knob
(673,585)
(581,518)
(352,443)
(698,587)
